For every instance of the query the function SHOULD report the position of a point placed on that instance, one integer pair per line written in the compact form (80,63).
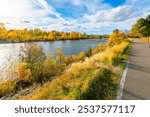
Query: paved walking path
(137,83)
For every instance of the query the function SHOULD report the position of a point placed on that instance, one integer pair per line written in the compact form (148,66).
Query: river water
(9,52)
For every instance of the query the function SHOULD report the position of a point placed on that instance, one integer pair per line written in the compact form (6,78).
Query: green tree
(141,28)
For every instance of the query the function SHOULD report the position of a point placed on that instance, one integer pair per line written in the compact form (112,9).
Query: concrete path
(137,83)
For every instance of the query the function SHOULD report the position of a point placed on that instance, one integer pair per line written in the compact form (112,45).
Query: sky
(90,16)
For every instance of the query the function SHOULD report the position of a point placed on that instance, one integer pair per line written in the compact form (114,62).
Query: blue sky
(114,3)
(91,16)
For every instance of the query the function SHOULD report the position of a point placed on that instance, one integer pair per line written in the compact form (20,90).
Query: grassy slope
(95,78)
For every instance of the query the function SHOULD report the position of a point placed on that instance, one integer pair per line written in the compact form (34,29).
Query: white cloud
(112,15)
(122,17)
(19,9)
(91,5)
(95,5)
(99,16)
(43,4)
(36,12)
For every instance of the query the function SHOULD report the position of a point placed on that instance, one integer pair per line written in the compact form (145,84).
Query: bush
(33,57)
(6,88)
(50,68)
(89,52)
(99,48)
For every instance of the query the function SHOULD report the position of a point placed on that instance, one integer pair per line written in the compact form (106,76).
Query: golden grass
(8,86)
(146,39)
(77,79)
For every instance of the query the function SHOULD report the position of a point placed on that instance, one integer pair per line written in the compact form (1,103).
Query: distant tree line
(141,28)
(25,35)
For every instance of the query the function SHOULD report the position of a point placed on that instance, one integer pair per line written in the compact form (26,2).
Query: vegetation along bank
(92,75)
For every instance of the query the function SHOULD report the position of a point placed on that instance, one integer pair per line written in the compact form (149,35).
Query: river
(9,52)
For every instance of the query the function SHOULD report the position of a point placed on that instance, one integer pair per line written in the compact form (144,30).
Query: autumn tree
(141,28)
(3,32)
(26,35)
(73,35)
(134,32)
(80,36)
(51,35)
(63,36)
(116,37)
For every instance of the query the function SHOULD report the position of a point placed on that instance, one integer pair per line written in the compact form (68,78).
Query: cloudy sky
(91,16)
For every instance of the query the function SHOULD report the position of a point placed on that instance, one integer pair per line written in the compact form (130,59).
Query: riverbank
(101,67)
(98,80)
(94,74)
(7,42)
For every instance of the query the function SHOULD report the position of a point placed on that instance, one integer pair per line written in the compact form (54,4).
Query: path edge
(122,82)
(123,79)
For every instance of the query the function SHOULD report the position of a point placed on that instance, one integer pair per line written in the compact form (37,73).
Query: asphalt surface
(137,83)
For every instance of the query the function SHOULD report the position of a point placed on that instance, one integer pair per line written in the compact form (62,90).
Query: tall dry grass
(78,78)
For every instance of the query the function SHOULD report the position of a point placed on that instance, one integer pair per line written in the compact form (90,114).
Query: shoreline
(7,42)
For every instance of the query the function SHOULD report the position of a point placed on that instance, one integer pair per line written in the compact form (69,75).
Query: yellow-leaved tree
(73,35)
(51,35)
(116,37)
(3,32)
(63,36)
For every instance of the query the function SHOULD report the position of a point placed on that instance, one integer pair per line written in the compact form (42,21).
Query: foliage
(89,52)
(80,76)
(145,39)
(35,67)
(25,35)
(33,57)
(99,48)
(9,87)
(78,57)
(85,77)
(141,28)
(116,37)
(6,88)
(50,68)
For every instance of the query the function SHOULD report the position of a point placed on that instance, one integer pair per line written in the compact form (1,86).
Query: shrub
(89,52)
(116,38)
(6,88)
(33,57)
(78,57)
(50,68)
(99,48)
